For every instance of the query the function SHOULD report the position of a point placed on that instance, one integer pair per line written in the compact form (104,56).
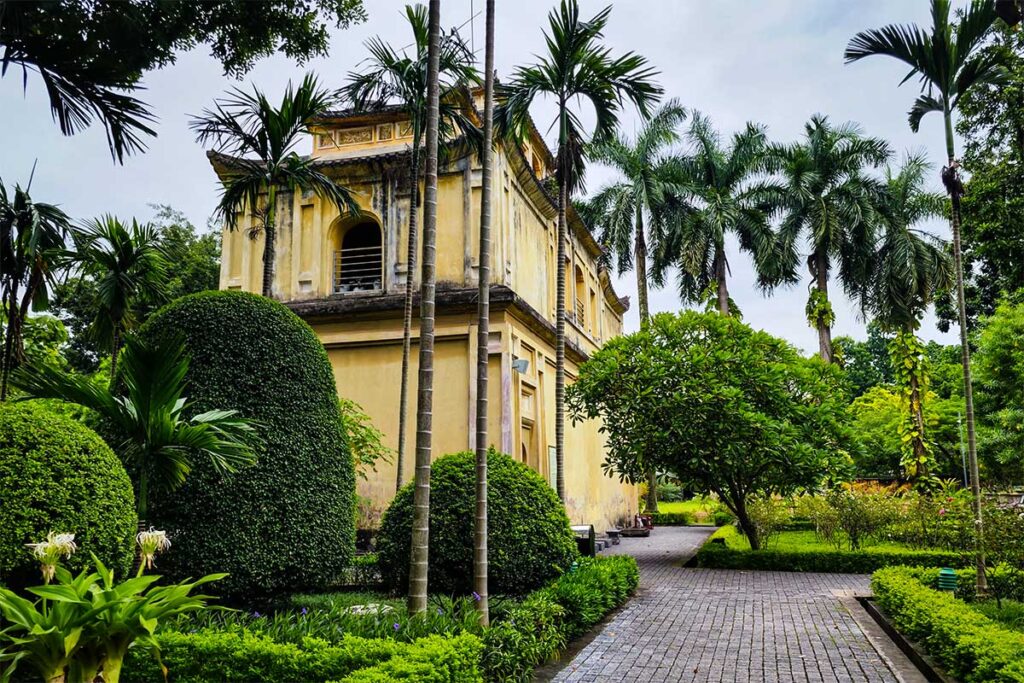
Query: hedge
(969,645)
(536,629)
(58,475)
(720,556)
(529,542)
(671,519)
(286,523)
(243,657)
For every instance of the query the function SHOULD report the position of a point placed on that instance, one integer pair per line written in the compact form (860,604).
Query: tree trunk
(270,240)
(720,281)
(563,200)
(13,330)
(824,328)
(115,351)
(640,258)
(480,567)
(746,525)
(417,602)
(410,261)
(917,415)
(965,359)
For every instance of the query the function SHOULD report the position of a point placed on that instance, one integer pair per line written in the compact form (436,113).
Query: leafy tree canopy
(866,362)
(706,398)
(92,54)
(1000,369)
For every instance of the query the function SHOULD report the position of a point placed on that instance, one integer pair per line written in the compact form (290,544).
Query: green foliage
(528,531)
(1000,371)
(819,310)
(965,643)
(911,380)
(365,442)
(671,518)
(58,475)
(242,657)
(866,363)
(718,405)
(92,55)
(534,630)
(814,557)
(768,516)
(82,626)
(285,523)
(861,512)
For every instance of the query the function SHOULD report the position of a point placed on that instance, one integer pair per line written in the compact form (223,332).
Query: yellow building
(346,277)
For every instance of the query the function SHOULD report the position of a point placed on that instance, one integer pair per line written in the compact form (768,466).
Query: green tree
(365,441)
(722,198)
(257,141)
(481,523)
(396,76)
(867,362)
(92,54)
(636,211)
(726,408)
(418,557)
(146,426)
(576,67)
(948,64)
(31,241)
(129,269)
(991,125)
(1000,364)
(909,268)
(826,197)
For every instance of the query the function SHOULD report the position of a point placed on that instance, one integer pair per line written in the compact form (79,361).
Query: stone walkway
(722,625)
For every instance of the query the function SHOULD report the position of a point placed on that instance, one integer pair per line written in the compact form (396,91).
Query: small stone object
(370,609)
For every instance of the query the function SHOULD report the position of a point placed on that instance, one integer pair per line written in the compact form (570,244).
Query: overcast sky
(776,62)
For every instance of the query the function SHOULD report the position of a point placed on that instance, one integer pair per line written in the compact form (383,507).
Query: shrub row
(536,629)
(671,518)
(969,645)
(241,657)
(720,556)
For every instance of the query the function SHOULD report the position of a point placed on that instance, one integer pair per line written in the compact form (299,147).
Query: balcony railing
(357,269)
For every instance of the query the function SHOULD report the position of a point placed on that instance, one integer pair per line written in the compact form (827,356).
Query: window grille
(357,265)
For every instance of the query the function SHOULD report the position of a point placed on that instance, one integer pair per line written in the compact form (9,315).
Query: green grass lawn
(699,508)
(803,541)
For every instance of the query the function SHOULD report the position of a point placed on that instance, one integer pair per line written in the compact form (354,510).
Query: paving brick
(713,625)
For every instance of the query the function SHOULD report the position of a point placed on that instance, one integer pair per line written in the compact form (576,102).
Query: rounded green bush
(287,522)
(529,539)
(58,475)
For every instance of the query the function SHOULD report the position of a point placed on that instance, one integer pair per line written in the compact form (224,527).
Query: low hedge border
(966,643)
(536,629)
(671,519)
(719,556)
(233,657)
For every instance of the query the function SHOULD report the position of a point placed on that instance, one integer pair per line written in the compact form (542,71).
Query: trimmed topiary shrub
(529,540)
(285,523)
(58,475)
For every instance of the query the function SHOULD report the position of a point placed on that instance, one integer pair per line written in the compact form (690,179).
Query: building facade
(345,275)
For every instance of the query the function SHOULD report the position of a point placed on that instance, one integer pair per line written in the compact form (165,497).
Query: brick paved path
(704,625)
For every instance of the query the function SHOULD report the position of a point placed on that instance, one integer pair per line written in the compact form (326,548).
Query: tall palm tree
(948,63)
(396,76)
(909,267)
(129,267)
(632,213)
(418,558)
(722,197)
(32,238)
(825,195)
(576,67)
(150,434)
(480,565)
(263,137)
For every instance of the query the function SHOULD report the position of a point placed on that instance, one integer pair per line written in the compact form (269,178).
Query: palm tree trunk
(722,285)
(417,602)
(824,329)
(917,415)
(563,200)
(115,350)
(965,358)
(410,261)
(640,265)
(13,330)
(480,567)
(270,240)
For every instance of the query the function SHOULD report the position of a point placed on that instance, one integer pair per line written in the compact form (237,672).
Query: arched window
(358,263)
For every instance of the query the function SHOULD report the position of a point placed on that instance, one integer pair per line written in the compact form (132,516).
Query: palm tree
(823,193)
(395,76)
(632,213)
(417,602)
(576,67)
(31,240)
(263,138)
(722,197)
(480,566)
(948,64)
(909,267)
(150,433)
(129,267)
